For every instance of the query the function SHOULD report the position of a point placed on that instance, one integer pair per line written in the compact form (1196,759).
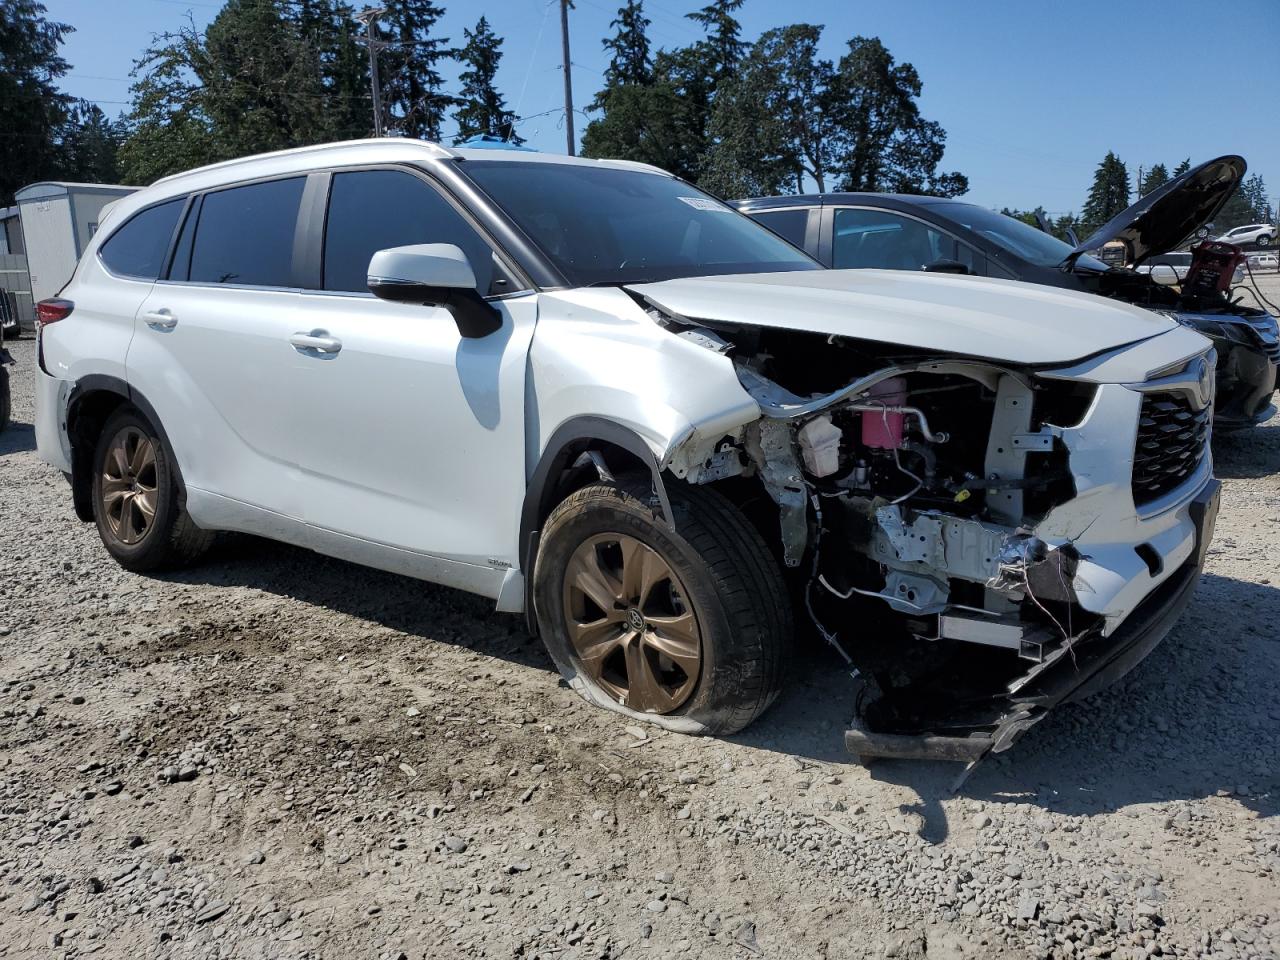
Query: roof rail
(434,148)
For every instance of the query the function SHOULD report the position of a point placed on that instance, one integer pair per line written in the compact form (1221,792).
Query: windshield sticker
(705,203)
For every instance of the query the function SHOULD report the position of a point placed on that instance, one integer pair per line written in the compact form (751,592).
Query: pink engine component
(883,428)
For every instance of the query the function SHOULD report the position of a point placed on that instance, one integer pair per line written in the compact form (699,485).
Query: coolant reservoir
(883,428)
(820,446)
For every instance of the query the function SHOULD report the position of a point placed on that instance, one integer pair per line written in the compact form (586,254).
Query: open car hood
(1171,214)
(1002,320)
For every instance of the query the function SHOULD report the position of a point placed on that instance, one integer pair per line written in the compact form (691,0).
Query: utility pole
(568,80)
(369,17)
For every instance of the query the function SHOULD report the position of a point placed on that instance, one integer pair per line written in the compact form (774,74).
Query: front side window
(372,210)
(611,225)
(1021,239)
(245,235)
(138,248)
(881,239)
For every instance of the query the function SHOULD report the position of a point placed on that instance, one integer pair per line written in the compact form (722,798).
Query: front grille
(1172,436)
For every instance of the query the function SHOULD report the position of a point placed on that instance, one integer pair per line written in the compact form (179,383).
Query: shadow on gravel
(420,609)
(1199,718)
(1248,453)
(17,438)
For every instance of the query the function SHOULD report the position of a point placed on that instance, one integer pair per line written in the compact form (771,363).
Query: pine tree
(482,110)
(88,146)
(1255,193)
(629,48)
(31,107)
(724,46)
(412,86)
(1109,193)
(1156,177)
(329,27)
(1182,168)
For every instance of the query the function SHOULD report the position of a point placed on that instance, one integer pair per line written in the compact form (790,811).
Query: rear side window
(372,210)
(245,234)
(788,224)
(138,248)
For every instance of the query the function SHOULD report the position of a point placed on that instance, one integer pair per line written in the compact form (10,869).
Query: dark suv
(899,232)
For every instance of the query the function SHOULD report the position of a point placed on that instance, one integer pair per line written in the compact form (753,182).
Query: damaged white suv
(599,396)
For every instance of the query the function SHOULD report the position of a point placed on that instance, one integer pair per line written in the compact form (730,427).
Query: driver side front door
(411,436)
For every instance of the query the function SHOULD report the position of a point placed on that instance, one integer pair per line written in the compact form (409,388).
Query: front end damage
(980,541)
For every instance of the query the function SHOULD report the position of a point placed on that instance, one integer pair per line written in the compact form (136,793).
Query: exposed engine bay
(910,493)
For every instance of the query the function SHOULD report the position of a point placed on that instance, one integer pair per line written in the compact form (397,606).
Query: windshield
(1020,239)
(602,225)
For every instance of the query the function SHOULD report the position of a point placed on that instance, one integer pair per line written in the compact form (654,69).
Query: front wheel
(684,628)
(1264,241)
(136,498)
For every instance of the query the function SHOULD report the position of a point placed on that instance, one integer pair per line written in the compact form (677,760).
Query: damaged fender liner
(1098,662)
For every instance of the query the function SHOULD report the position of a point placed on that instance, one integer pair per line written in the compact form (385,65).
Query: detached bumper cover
(1098,662)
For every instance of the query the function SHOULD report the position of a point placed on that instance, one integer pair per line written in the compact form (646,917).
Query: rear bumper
(1096,663)
(52,442)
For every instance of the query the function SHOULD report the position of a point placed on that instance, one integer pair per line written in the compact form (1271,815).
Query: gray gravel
(279,755)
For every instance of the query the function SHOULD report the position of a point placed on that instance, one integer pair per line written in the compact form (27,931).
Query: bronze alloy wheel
(634,633)
(129,494)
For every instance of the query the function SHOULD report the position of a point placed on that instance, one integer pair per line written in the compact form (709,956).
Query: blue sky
(1032,94)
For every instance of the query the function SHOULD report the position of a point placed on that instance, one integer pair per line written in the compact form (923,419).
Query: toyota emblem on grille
(1203,373)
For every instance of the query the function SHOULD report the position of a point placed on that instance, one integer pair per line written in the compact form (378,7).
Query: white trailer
(57,221)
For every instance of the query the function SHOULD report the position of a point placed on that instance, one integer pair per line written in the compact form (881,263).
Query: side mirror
(438,274)
(422,273)
(1165,275)
(945,266)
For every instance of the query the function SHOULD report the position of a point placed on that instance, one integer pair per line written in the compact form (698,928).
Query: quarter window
(137,249)
(889,241)
(789,224)
(245,234)
(372,210)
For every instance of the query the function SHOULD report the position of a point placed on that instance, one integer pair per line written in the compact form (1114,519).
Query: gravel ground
(280,755)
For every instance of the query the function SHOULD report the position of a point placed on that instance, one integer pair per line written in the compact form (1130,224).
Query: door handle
(160,320)
(317,340)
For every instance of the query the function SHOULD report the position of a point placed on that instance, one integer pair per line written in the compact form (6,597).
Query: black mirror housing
(945,266)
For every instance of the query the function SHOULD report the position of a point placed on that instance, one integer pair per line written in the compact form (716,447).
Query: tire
(169,539)
(1264,240)
(721,572)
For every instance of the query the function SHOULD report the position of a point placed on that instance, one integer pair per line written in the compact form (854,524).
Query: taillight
(52,310)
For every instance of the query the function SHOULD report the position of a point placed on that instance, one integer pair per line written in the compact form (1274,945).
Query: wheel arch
(93,399)
(567,464)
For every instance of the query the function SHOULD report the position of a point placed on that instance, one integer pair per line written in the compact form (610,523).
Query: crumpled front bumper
(1092,663)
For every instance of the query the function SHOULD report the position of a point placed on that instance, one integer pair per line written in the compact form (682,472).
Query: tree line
(1109,194)
(737,117)
(733,116)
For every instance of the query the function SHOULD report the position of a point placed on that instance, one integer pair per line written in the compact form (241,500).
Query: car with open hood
(900,232)
(598,396)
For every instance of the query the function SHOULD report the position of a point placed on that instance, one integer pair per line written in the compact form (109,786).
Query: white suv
(597,395)
(1260,233)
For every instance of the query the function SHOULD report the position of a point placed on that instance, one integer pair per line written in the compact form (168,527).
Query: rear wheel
(684,628)
(136,498)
